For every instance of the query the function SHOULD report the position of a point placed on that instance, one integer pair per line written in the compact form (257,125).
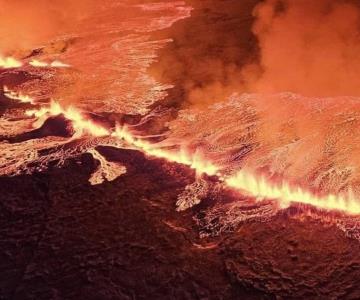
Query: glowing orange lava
(41,64)
(9,63)
(254,186)
(38,64)
(261,188)
(17,96)
(79,122)
(59,64)
(195,161)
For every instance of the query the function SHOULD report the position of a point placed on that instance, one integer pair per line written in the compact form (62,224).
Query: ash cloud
(308,47)
(302,46)
(27,24)
(208,51)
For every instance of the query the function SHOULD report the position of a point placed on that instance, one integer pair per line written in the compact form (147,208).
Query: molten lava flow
(79,122)
(41,64)
(257,187)
(17,96)
(38,64)
(9,62)
(106,170)
(285,194)
(254,186)
(194,161)
(59,64)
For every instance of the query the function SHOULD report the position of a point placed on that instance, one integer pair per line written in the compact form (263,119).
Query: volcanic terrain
(142,156)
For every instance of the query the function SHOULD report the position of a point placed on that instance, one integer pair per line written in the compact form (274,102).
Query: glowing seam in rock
(79,122)
(12,63)
(195,161)
(17,96)
(257,187)
(41,64)
(9,63)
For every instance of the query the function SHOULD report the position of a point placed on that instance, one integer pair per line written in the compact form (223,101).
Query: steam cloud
(309,47)
(27,24)
(303,46)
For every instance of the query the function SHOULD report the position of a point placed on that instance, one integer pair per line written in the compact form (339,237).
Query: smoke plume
(303,46)
(308,47)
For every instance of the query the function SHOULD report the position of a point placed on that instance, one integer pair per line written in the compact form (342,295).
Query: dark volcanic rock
(119,240)
(64,239)
(54,126)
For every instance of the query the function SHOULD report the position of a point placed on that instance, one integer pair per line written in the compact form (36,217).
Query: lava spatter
(80,123)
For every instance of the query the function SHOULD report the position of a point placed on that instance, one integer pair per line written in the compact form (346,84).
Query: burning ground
(152,156)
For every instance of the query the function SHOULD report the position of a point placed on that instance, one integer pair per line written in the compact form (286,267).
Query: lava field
(197,149)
